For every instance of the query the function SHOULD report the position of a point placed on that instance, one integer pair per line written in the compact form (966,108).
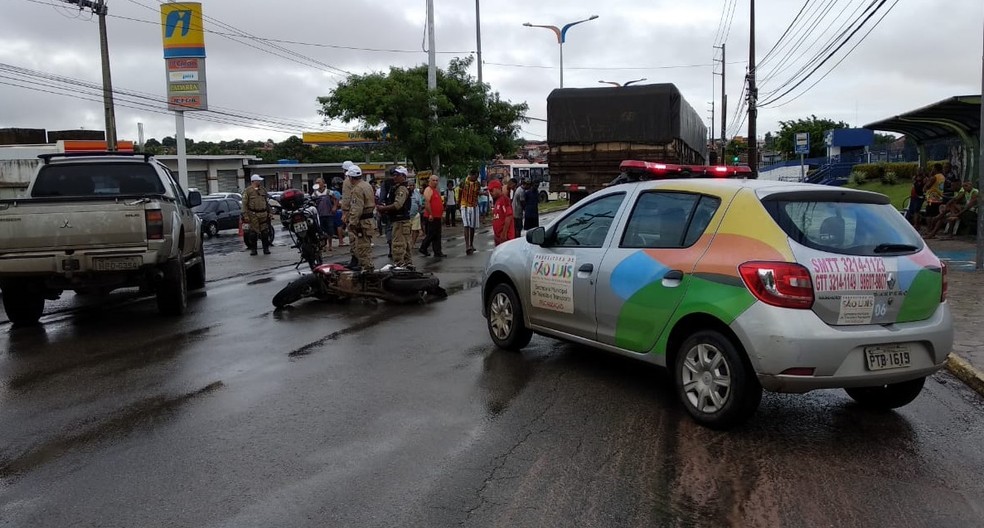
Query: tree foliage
(473,123)
(785,138)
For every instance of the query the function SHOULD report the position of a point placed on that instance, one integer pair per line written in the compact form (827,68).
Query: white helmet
(353,172)
(346,165)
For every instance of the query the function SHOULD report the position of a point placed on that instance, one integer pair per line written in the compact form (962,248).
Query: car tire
(709,364)
(505,319)
(306,286)
(23,305)
(887,397)
(196,275)
(212,229)
(172,292)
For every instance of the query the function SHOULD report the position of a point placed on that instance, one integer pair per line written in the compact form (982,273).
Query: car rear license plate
(883,357)
(116,263)
(300,227)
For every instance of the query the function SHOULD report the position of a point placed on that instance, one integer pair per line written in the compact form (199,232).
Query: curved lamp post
(613,83)
(561,33)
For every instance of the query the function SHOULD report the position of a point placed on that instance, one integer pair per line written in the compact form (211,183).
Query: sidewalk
(965,294)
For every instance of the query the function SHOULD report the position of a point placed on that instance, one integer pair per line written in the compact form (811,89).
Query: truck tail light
(155,225)
(782,284)
(945,282)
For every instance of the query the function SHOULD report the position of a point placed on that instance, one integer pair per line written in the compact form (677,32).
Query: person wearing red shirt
(502,214)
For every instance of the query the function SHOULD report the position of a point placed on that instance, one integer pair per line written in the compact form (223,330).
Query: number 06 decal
(881,309)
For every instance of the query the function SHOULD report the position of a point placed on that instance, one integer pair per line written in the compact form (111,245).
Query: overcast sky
(923,51)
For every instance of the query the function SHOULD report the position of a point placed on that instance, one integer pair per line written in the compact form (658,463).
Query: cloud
(919,54)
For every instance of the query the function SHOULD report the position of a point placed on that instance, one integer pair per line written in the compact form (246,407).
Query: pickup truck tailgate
(55,226)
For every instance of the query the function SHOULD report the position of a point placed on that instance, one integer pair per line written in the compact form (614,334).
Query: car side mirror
(536,236)
(194,199)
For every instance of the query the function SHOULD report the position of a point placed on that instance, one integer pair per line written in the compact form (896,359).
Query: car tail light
(783,284)
(155,225)
(945,282)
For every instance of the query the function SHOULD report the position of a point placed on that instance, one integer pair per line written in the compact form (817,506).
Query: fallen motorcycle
(334,282)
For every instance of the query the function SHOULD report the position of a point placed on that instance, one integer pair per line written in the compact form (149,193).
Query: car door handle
(586,268)
(672,279)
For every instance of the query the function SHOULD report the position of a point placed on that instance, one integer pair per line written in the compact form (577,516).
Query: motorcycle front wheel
(306,286)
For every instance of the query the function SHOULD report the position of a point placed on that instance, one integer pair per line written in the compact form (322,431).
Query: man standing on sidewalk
(433,216)
(469,209)
(518,205)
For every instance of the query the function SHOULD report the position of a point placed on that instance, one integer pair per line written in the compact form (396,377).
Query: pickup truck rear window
(96,179)
(845,227)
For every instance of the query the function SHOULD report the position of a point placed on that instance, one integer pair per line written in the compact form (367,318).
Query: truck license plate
(884,357)
(116,263)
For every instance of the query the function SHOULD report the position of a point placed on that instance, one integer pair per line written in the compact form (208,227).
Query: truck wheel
(543,197)
(23,306)
(196,275)
(172,292)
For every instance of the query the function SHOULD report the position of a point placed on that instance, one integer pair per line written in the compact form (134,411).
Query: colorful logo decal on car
(552,282)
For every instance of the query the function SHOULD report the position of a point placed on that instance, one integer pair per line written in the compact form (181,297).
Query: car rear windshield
(208,206)
(96,179)
(845,227)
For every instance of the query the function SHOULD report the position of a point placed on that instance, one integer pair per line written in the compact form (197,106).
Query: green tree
(473,123)
(785,138)
(884,140)
(153,146)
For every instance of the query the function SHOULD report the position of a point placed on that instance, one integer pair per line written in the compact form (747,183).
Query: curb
(966,372)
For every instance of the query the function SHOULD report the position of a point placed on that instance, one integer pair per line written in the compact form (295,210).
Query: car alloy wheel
(501,316)
(505,319)
(706,376)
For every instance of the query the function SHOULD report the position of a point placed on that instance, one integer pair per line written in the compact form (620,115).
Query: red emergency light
(663,171)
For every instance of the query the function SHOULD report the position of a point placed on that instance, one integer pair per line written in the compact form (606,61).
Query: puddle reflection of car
(218,214)
(735,286)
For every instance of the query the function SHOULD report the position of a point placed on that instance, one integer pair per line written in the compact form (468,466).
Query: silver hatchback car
(735,286)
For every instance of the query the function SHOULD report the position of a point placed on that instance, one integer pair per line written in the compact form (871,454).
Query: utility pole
(710,129)
(752,97)
(724,100)
(99,8)
(432,80)
(478,37)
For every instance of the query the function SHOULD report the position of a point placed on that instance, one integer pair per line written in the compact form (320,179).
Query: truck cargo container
(592,130)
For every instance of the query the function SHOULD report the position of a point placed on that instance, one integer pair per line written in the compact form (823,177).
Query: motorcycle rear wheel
(306,286)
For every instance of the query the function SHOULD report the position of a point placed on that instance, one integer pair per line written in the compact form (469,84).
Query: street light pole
(613,83)
(478,38)
(561,38)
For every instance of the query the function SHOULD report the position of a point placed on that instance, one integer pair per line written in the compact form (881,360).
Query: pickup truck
(95,222)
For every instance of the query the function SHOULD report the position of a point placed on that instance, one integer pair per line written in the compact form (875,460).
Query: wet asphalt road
(374,415)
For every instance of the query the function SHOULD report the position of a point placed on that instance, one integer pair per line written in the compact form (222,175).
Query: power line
(839,34)
(768,55)
(846,55)
(537,66)
(834,52)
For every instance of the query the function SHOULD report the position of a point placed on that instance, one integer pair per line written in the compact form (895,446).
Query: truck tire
(172,292)
(196,275)
(23,306)
(544,197)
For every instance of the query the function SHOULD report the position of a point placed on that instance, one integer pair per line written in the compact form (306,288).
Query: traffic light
(735,160)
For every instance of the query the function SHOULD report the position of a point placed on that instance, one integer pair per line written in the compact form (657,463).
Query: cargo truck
(592,130)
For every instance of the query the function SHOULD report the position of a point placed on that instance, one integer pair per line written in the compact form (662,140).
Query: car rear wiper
(893,248)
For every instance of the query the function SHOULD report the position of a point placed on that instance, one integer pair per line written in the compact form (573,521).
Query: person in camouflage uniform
(362,208)
(396,206)
(344,204)
(256,212)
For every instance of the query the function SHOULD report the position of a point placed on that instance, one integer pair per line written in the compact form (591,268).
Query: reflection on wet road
(365,414)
